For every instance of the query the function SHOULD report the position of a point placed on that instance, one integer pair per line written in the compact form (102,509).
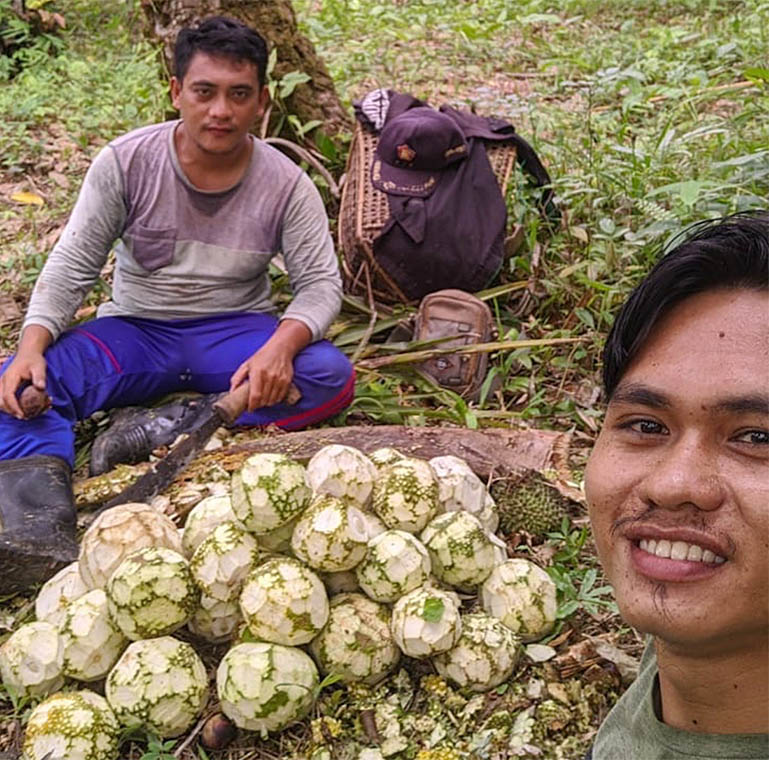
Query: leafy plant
(23,42)
(575,575)
(20,703)
(157,749)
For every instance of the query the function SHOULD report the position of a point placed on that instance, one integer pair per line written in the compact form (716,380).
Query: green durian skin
(534,507)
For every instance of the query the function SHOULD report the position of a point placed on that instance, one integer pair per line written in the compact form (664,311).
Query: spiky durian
(532,505)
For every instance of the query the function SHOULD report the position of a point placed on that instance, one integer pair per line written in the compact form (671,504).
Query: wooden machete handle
(33,401)
(232,405)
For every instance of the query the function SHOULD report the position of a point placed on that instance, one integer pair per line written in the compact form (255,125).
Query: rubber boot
(37,521)
(137,431)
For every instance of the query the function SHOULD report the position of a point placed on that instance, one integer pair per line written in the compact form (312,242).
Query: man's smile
(679,550)
(675,553)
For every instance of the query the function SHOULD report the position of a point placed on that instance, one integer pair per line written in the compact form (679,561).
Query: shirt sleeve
(308,252)
(75,262)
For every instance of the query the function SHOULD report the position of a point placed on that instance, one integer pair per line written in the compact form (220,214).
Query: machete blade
(226,409)
(165,470)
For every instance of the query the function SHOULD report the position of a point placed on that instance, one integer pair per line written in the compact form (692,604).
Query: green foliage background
(649,115)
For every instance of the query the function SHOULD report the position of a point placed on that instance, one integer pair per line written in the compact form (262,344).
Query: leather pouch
(460,319)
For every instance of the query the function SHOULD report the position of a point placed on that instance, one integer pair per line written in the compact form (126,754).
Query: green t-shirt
(632,730)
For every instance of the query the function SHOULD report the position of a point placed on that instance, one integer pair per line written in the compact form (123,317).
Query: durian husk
(532,505)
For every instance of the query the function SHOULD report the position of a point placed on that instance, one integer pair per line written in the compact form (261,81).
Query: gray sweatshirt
(184,252)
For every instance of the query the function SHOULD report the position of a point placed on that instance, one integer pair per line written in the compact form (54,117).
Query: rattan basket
(364,211)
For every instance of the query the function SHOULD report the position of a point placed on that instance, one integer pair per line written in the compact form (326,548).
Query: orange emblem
(405,153)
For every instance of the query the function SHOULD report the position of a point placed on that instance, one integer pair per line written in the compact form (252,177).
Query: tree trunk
(275,20)
(493,454)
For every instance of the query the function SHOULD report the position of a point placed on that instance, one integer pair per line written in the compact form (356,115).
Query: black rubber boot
(37,521)
(136,431)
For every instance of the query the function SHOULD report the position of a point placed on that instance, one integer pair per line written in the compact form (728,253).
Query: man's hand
(28,366)
(270,370)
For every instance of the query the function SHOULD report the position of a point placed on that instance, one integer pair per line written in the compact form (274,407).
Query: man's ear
(176,91)
(264,99)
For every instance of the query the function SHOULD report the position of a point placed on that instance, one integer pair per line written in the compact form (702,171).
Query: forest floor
(649,116)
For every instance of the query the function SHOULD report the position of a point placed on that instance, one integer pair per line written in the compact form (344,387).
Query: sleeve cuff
(49,325)
(305,320)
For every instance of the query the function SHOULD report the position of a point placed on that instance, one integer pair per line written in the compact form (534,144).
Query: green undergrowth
(103,81)
(649,116)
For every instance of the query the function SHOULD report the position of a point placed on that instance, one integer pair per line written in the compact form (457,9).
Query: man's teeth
(680,550)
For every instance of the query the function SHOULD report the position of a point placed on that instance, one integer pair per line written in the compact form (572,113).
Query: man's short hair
(220,36)
(728,253)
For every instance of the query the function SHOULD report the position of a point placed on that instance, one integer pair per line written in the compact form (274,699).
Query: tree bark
(493,454)
(275,20)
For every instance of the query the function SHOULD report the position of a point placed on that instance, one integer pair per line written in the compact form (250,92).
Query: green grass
(649,115)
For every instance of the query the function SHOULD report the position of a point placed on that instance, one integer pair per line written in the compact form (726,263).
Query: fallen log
(492,453)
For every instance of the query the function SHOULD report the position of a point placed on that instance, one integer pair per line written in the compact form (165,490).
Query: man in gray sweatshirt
(195,210)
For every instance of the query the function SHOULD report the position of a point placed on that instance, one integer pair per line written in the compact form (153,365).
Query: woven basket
(364,211)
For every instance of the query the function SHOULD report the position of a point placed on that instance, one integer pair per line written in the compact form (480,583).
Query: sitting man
(678,489)
(199,207)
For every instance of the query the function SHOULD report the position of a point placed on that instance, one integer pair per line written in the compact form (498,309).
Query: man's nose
(687,475)
(220,107)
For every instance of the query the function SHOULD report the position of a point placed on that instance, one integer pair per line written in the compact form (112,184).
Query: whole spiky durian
(531,505)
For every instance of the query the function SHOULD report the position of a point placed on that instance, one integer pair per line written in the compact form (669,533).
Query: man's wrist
(34,340)
(290,337)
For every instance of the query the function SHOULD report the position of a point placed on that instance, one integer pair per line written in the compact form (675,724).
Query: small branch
(305,155)
(265,125)
(191,736)
(368,721)
(372,321)
(410,357)
(743,85)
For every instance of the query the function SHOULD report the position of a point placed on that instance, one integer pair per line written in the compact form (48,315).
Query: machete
(225,410)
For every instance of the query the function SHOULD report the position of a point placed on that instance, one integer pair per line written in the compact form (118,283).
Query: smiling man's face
(678,481)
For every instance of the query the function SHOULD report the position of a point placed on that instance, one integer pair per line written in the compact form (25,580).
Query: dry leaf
(85,312)
(60,179)
(49,241)
(626,664)
(9,310)
(540,652)
(580,233)
(558,692)
(28,199)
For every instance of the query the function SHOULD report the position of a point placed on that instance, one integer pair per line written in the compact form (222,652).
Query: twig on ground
(743,85)
(372,321)
(410,357)
(192,735)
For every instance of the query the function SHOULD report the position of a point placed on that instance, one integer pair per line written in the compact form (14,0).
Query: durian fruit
(531,505)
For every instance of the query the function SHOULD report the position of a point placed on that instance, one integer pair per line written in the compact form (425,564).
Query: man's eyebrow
(754,404)
(239,86)
(643,395)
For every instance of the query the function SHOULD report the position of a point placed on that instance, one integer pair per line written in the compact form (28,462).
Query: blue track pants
(121,361)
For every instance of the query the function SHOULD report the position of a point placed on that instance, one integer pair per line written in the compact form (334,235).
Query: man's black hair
(728,253)
(220,36)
